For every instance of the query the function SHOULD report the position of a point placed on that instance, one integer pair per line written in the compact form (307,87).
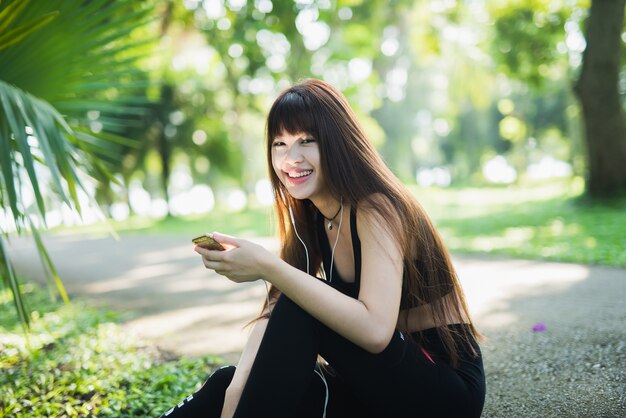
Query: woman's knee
(289,319)
(286,306)
(222,377)
(215,386)
(206,401)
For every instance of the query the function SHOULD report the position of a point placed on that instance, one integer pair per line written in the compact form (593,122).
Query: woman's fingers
(213,255)
(213,260)
(230,241)
(238,262)
(212,265)
(217,266)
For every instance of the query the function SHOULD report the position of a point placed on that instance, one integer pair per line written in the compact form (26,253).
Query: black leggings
(401,381)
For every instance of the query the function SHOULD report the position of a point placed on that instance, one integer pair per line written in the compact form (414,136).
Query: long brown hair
(354,171)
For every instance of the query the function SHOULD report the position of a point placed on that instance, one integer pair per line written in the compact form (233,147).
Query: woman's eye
(308,141)
(278,144)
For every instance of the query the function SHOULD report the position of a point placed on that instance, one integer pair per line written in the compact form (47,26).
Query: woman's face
(296,162)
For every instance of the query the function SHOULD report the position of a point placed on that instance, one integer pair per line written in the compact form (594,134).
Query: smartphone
(207,241)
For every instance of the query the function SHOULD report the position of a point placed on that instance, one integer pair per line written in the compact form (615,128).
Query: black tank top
(352,288)
(347,288)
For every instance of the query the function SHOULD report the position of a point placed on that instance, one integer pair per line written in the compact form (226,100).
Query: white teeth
(301,174)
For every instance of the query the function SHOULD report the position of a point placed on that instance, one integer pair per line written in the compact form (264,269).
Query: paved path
(578,362)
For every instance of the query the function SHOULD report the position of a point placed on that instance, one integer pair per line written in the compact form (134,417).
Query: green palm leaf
(10,279)
(16,35)
(60,63)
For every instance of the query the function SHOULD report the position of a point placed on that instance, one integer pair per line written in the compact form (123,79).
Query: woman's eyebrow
(303,136)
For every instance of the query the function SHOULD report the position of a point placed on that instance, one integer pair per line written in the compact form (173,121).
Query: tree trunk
(163,143)
(598,92)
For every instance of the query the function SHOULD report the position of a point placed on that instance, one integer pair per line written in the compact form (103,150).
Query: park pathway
(173,301)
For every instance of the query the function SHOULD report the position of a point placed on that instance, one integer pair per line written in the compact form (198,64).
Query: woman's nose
(294,155)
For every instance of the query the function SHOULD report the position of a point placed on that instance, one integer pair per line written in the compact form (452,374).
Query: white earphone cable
(293,222)
(332,253)
(321,375)
(332,261)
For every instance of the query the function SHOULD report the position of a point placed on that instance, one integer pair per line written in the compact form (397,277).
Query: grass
(252,222)
(77,362)
(549,221)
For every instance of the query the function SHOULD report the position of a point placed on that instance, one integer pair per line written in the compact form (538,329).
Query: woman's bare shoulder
(377,209)
(378,221)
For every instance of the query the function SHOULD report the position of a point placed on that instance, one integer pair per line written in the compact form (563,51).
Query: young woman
(365,316)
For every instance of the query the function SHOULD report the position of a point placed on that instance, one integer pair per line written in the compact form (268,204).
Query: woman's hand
(242,261)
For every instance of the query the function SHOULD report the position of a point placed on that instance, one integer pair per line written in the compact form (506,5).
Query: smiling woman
(296,159)
(365,315)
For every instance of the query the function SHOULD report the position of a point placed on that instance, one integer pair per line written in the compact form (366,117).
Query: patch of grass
(548,221)
(77,362)
(251,222)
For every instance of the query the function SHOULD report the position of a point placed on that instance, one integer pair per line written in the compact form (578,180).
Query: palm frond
(15,35)
(10,279)
(22,112)
(62,62)
(51,274)
(89,54)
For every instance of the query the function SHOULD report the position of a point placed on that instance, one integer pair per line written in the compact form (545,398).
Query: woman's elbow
(377,342)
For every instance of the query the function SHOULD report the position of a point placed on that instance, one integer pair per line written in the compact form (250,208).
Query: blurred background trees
(157,108)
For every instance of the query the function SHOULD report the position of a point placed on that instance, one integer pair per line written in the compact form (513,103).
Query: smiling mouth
(299,175)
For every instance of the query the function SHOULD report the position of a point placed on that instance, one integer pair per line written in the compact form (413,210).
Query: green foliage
(67,92)
(17,33)
(49,147)
(77,362)
(527,37)
(70,114)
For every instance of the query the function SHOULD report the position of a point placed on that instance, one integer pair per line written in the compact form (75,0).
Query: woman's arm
(368,321)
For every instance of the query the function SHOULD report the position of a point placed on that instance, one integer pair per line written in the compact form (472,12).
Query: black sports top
(347,288)
(352,288)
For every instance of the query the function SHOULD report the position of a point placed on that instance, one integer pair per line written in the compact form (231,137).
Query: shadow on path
(575,367)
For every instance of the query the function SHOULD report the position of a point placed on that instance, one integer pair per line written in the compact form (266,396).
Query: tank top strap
(356,247)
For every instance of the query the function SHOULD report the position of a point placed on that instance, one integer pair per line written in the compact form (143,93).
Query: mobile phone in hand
(207,241)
